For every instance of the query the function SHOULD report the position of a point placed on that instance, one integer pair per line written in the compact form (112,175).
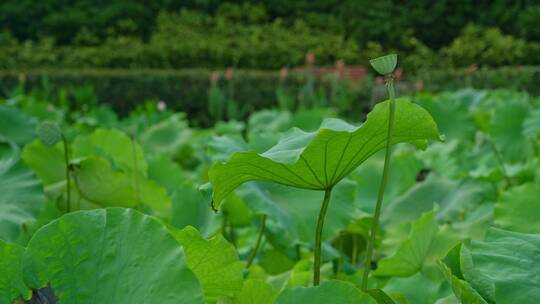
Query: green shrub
(485,46)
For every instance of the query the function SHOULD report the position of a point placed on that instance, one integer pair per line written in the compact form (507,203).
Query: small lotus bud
(384,65)
(49,133)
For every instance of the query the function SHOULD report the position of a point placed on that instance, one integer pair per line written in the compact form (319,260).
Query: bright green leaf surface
(462,289)
(518,209)
(318,160)
(21,193)
(295,211)
(110,255)
(214,262)
(380,296)
(47,162)
(510,260)
(167,136)
(506,129)
(11,276)
(411,254)
(255,292)
(328,292)
(531,124)
(100,184)
(16,126)
(114,145)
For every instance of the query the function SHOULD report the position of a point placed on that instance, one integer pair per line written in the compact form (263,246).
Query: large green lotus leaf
(255,291)
(531,124)
(318,160)
(411,254)
(416,289)
(47,162)
(402,177)
(328,292)
(100,184)
(518,209)
(167,136)
(11,274)
(451,114)
(479,281)
(453,199)
(294,211)
(16,126)
(265,128)
(114,145)
(269,121)
(21,193)
(111,255)
(166,172)
(506,129)
(442,159)
(451,267)
(188,205)
(215,262)
(510,260)
(462,289)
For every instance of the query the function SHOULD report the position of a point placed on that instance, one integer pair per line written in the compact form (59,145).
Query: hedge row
(187,90)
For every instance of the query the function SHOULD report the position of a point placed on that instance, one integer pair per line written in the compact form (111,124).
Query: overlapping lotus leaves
(328,292)
(11,279)
(110,255)
(510,260)
(113,145)
(294,219)
(21,193)
(16,126)
(255,292)
(319,160)
(98,183)
(215,262)
(518,209)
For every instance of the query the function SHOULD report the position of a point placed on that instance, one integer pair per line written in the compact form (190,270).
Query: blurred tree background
(173,34)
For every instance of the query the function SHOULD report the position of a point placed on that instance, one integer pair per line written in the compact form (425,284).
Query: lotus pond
(279,209)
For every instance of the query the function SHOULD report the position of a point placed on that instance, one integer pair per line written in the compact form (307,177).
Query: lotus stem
(380,194)
(68,179)
(259,239)
(135,172)
(318,238)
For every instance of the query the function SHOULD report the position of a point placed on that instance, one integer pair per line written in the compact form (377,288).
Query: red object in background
(351,72)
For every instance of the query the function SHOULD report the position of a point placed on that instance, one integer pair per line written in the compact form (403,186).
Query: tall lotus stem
(383,65)
(318,238)
(259,239)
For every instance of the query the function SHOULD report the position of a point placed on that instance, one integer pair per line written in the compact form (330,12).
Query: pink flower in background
(229,73)
(310,58)
(379,80)
(161,106)
(283,73)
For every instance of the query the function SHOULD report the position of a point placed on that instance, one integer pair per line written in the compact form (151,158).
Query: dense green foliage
(265,34)
(190,91)
(459,220)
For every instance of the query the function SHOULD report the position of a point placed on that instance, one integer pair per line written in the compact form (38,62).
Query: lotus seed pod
(49,133)
(384,65)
